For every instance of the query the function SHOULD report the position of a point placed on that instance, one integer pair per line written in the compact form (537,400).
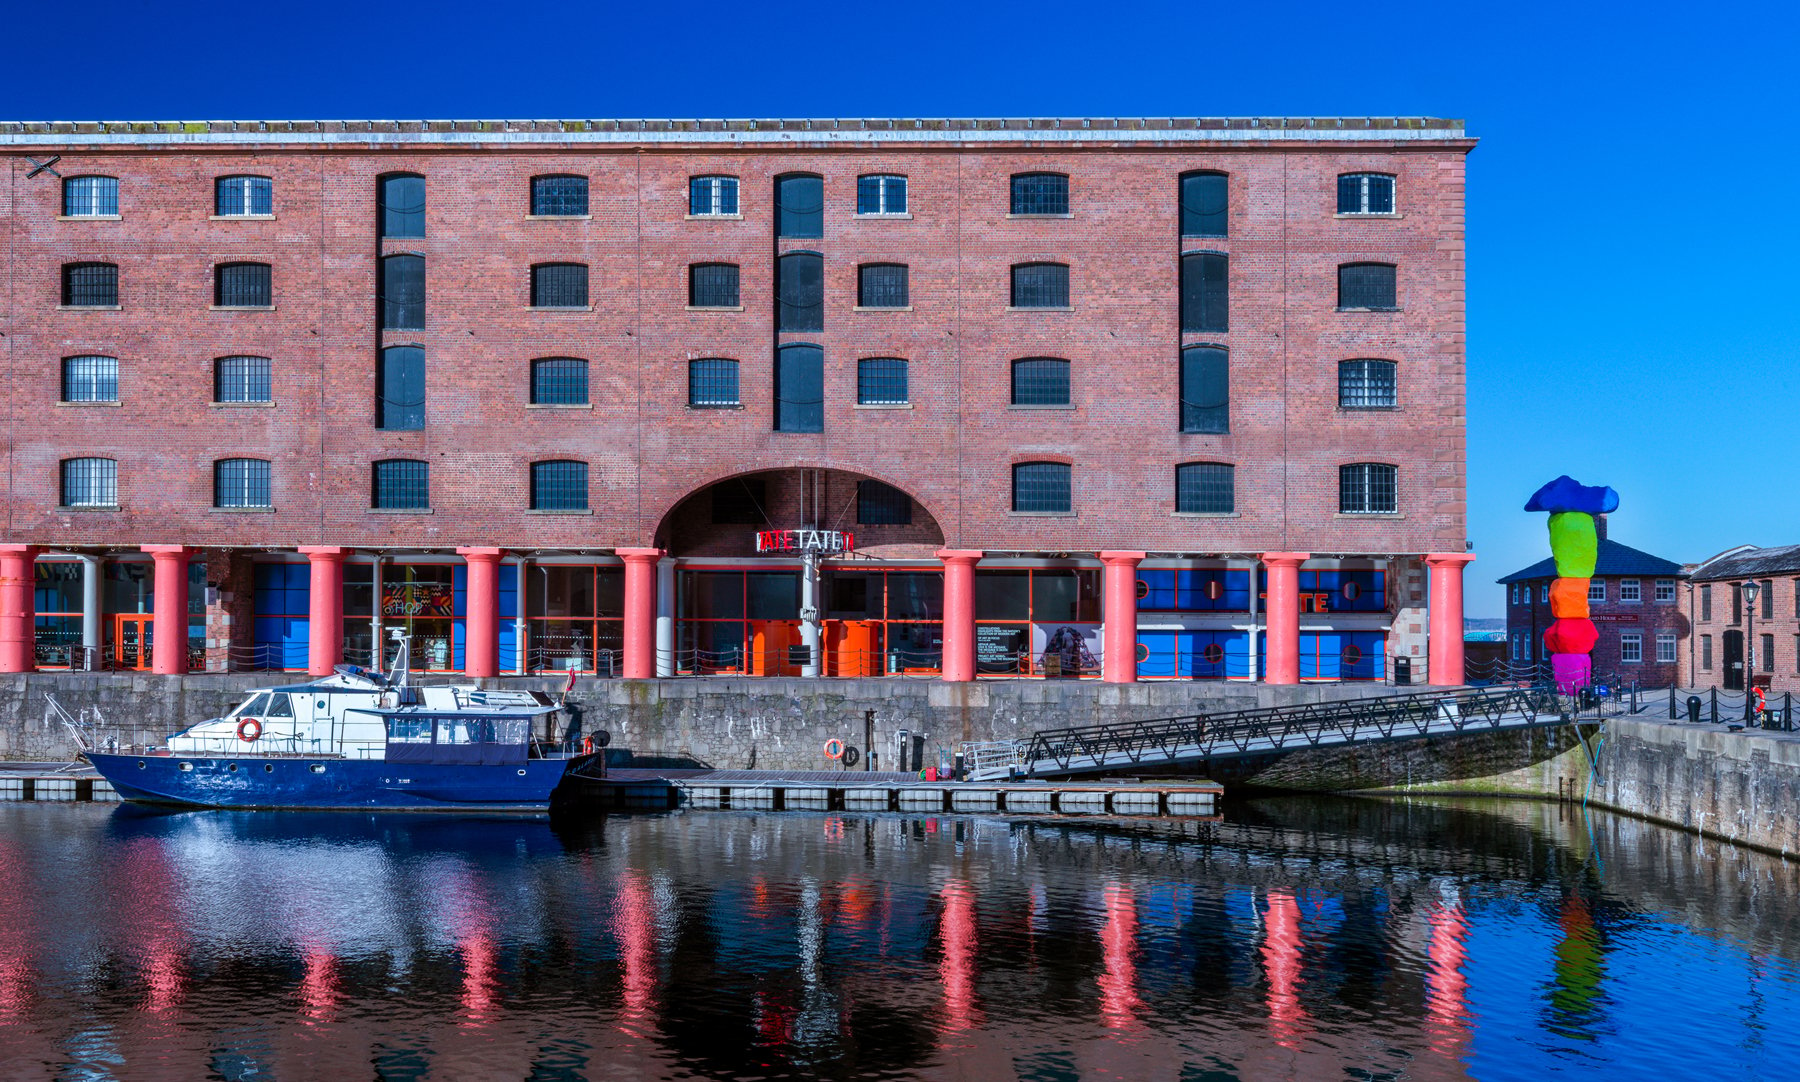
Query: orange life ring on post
(1760,699)
(249,729)
(834,748)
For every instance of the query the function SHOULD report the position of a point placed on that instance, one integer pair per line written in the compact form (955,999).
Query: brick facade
(1723,621)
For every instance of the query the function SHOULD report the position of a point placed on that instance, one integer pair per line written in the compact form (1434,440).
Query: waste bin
(1402,670)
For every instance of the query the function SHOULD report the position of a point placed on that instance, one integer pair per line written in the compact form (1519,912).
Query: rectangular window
(559,285)
(90,482)
(1040,193)
(881,381)
(1631,590)
(559,197)
(402,293)
(1768,599)
(243,197)
(1365,193)
(242,285)
(1040,285)
(1042,487)
(559,381)
(1368,384)
(712,196)
(1203,205)
(800,389)
(1767,661)
(559,486)
(1515,593)
(712,383)
(882,505)
(401,485)
(1706,602)
(881,195)
(1737,603)
(1205,390)
(1706,652)
(1596,590)
(800,290)
(1367,286)
(799,205)
(1665,647)
(882,285)
(241,482)
(1665,591)
(713,285)
(1205,488)
(739,502)
(90,285)
(402,211)
(1631,647)
(1040,381)
(1205,292)
(400,389)
(242,379)
(1368,488)
(90,197)
(90,379)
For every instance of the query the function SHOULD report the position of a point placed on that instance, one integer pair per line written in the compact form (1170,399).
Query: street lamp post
(1752,590)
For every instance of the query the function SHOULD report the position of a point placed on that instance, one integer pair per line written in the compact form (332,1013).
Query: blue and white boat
(359,739)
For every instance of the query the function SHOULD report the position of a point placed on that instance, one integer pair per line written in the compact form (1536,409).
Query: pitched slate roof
(1614,559)
(1780,560)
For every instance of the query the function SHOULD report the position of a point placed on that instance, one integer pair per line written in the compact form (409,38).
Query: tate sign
(803,541)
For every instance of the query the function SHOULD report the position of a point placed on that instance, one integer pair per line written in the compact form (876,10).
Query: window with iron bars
(882,285)
(1040,381)
(1040,285)
(559,285)
(1365,193)
(1368,488)
(243,197)
(1368,384)
(90,197)
(1367,286)
(712,383)
(879,504)
(881,381)
(242,379)
(881,195)
(90,482)
(1042,487)
(1205,488)
(713,285)
(241,482)
(90,285)
(1040,193)
(559,196)
(242,285)
(559,485)
(401,484)
(402,292)
(90,379)
(1205,389)
(712,196)
(559,381)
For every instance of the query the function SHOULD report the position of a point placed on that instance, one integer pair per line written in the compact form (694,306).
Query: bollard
(1693,708)
(1715,706)
(1672,702)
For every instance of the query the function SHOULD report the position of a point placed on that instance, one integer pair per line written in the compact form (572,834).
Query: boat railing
(229,746)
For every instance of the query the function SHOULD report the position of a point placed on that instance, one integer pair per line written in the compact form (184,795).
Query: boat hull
(248,781)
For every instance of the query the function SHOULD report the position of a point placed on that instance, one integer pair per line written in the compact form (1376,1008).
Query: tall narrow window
(1367,488)
(800,287)
(800,389)
(1768,599)
(90,285)
(1706,602)
(402,205)
(1205,292)
(711,197)
(400,389)
(881,381)
(882,285)
(559,381)
(559,285)
(1040,193)
(241,482)
(1367,286)
(1040,285)
(242,379)
(90,197)
(799,205)
(559,485)
(881,195)
(1203,202)
(243,197)
(1040,381)
(713,383)
(1205,488)
(90,482)
(1365,193)
(882,505)
(713,285)
(1368,384)
(1042,487)
(242,285)
(90,379)
(402,290)
(401,484)
(1205,389)
(559,196)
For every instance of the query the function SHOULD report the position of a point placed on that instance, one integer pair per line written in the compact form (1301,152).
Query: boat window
(256,707)
(409,730)
(278,707)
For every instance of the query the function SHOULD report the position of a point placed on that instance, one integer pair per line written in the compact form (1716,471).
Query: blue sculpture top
(1567,494)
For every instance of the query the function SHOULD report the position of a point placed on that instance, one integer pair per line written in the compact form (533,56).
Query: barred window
(242,379)
(1367,488)
(1366,285)
(882,285)
(1040,285)
(559,196)
(882,505)
(881,195)
(242,285)
(401,484)
(90,379)
(559,381)
(402,209)
(559,285)
(800,287)
(243,197)
(1368,384)
(739,502)
(713,285)
(90,197)
(1203,203)
(709,196)
(1040,381)
(712,383)
(1205,488)
(800,389)
(1040,193)
(90,285)
(1205,292)
(402,290)
(1365,193)
(90,482)
(1205,389)
(1042,486)
(559,485)
(881,381)
(799,205)
(400,389)
(241,482)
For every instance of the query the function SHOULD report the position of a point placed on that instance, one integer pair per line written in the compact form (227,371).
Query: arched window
(713,285)
(1040,193)
(1367,384)
(400,484)
(1365,193)
(799,205)
(882,505)
(241,482)
(1204,198)
(1205,292)
(800,389)
(1205,488)
(400,389)
(1042,487)
(713,383)
(1205,389)
(1040,381)
(559,195)
(559,381)
(90,197)
(89,482)
(713,196)
(243,197)
(800,287)
(90,379)
(559,285)
(90,285)
(242,379)
(1368,488)
(1040,285)
(1366,286)
(402,292)
(402,199)
(881,381)
(882,285)
(559,485)
(243,285)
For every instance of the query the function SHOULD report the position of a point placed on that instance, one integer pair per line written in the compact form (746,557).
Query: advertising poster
(415,599)
(1066,649)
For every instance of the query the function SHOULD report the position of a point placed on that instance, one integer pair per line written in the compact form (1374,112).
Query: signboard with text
(798,542)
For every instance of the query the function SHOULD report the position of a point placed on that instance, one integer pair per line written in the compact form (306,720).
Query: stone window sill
(1379,516)
(240,308)
(1206,236)
(241,510)
(242,405)
(1207,514)
(537,511)
(240,217)
(559,308)
(715,307)
(1027,217)
(1042,514)
(888,217)
(559,405)
(1370,409)
(1394,309)
(712,217)
(715,406)
(559,217)
(1041,308)
(883,406)
(114,402)
(1390,216)
(882,308)
(401,511)
(1045,406)
(88,507)
(90,308)
(90,218)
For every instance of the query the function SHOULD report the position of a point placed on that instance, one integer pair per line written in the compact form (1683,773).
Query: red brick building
(1733,631)
(532,389)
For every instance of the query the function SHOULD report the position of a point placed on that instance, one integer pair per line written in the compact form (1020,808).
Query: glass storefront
(57,596)
(575,618)
(879,622)
(1038,621)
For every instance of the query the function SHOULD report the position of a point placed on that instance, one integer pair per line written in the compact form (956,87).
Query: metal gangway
(1195,738)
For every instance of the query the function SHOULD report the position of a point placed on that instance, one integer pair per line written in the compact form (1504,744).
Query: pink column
(959,613)
(325,610)
(1282,606)
(18,612)
(481,620)
(169,611)
(1118,665)
(1444,647)
(640,612)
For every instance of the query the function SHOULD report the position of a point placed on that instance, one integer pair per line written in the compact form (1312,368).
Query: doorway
(132,635)
(1734,661)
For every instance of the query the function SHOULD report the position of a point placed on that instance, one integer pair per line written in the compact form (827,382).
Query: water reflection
(1304,938)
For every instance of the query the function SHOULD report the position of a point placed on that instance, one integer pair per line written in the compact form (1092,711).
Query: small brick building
(1727,628)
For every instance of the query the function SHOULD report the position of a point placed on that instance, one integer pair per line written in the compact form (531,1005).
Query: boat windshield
(257,705)
(279,706)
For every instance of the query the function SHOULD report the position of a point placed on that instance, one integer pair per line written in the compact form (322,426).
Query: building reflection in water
(634,927)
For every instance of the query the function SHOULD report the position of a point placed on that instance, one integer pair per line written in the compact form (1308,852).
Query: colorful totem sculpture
(1575,545)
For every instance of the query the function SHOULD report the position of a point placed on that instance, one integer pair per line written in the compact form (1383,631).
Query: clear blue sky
(1633,205)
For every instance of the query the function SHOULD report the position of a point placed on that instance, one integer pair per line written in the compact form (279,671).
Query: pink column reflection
(634,926)
(956,967)
(1446,1001)
(318,984)
(1281,969)
(1120,1004)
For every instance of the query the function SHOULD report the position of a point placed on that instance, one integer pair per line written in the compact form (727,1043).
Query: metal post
(868,740)
(90,610)
(1715,705)
(665,616)
(1671,702)
(1787,712)
(809,612)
